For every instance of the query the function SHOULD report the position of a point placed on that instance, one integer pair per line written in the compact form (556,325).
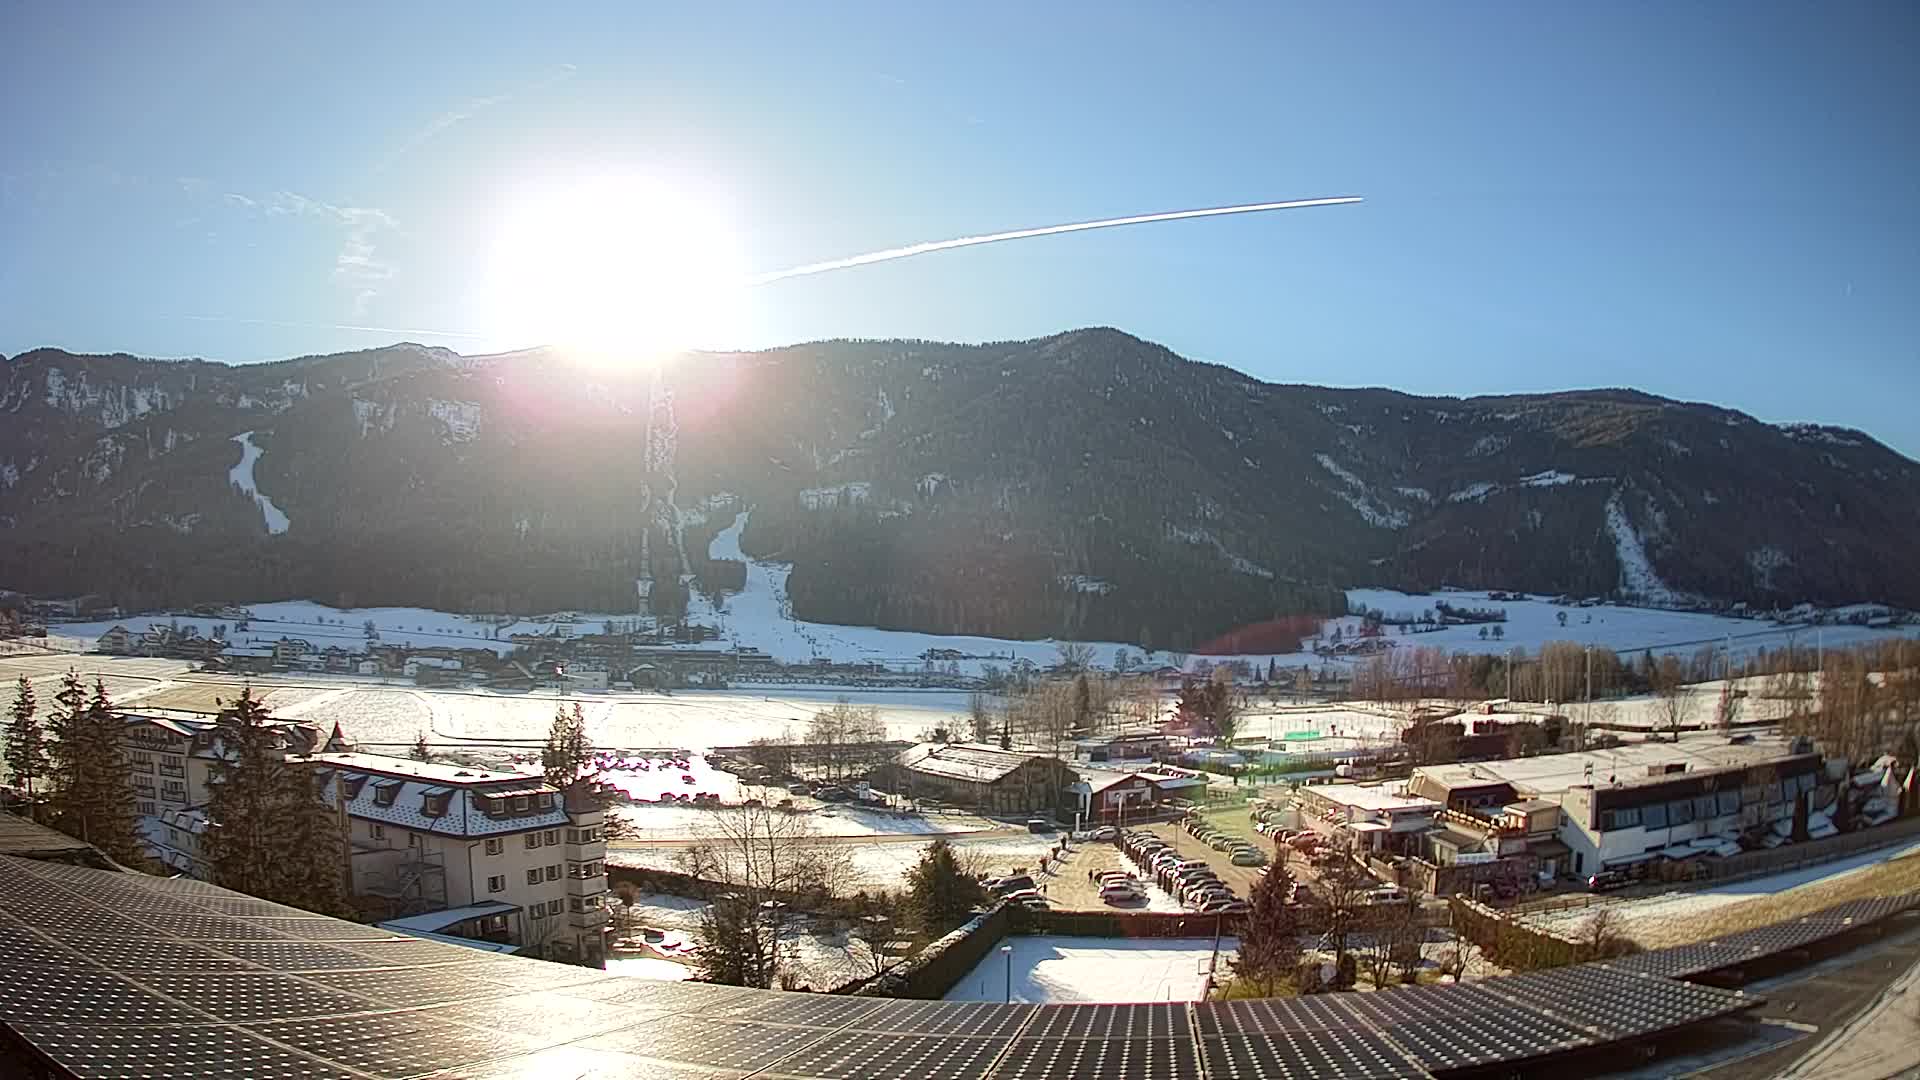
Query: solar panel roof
(107,974)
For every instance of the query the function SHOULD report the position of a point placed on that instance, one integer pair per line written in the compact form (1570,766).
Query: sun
(624,272)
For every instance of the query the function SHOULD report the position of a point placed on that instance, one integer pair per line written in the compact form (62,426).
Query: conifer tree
(92,791)
(269,834)
(26,745)
(567,753)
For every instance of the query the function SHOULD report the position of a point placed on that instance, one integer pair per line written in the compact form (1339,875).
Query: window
(1704,806)
(376,830)
(520,803)
(353,784)
(146,808)
(553,872)
(1729,802)
(533,840)
(582,836)
(493,805)
(385,793)
(553,836)
(544,802)
(413,840)
(533,876)
(1654,817)
(588,869)
(538,911)
(497,883)
(434,804)
(1680,811)
(554,907)
(494,846)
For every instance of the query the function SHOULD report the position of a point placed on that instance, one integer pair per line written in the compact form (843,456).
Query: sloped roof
(977,762)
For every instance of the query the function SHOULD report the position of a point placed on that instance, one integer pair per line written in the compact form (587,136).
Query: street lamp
(1006,951)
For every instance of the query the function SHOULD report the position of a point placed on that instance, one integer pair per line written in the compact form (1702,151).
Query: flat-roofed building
(1638,802)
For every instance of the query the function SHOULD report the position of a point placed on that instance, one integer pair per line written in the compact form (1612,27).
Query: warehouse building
(985,778)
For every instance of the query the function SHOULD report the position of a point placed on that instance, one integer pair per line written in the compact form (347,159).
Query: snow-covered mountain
(1086,485)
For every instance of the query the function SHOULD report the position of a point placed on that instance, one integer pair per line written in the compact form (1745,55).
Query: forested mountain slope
(1087,484)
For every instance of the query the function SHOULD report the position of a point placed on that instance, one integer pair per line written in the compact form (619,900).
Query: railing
(173,770)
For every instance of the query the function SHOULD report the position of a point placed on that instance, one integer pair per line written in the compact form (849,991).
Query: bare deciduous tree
(759,864)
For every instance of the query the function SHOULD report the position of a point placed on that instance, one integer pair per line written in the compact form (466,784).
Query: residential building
(170,756)
(494,854)
(117,641)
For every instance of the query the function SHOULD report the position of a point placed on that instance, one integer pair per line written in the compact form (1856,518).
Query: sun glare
(621,272)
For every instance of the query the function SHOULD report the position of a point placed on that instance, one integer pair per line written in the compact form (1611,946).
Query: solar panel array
(121,975)
(1766,942)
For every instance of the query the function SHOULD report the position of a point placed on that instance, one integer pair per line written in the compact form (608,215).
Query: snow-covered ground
(1630,914)
(691,719)
(241,476)
(686,822)
(1054,970)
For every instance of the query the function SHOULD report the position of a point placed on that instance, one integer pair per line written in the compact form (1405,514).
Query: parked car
(834,793)
(1018,895)
(1248,857)
(1608,880)
(1035,903)
(1386,894)
(1039,825)
(796,789)
(1104,832)
(1003,886)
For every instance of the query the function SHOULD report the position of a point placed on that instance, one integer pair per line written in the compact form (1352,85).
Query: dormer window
(545,802)
(520,804)
(434,803)
(385,792)
(353,783)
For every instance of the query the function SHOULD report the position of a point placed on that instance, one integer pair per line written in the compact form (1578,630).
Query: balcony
(174,770)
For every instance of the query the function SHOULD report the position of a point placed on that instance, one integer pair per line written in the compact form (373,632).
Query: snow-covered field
(687,822)
(691,719)
(1054,970)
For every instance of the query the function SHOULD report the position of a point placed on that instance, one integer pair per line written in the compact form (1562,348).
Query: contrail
(870,257)
(1045,230)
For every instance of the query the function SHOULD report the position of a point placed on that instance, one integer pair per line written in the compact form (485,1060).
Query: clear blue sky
(1707,201)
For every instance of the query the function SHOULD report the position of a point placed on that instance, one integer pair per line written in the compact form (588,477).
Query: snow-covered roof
(977,762)
(1371,797)
(397,791)
(408,769)
(440,920)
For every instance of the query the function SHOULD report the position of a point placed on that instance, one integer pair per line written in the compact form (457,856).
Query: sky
(1712,202)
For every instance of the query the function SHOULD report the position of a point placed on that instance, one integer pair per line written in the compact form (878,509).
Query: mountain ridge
(1081,484)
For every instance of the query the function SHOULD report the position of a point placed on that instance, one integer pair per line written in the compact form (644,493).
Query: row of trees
(69,766)
(269,833)
(763,869)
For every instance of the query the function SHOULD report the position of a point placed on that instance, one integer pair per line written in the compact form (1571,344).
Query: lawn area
(1891,878)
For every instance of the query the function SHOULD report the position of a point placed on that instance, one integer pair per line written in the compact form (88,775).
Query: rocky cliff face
(1086,484)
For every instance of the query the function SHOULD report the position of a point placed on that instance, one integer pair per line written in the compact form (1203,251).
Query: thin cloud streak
(867,259)
(1045,230)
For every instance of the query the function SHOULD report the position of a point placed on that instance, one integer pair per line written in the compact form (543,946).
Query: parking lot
(1241,879)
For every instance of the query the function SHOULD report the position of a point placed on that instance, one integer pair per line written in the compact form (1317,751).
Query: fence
(1764,863)
(1513,944)
(934,970)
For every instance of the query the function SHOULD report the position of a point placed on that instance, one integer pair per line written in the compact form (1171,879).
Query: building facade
(447,838)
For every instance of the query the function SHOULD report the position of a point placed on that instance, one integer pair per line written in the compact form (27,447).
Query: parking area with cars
(1200,877)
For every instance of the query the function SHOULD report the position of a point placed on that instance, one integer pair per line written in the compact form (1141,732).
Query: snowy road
(1055,970)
